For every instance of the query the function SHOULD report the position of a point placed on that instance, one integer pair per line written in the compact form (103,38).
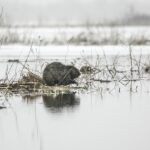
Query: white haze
(67,11)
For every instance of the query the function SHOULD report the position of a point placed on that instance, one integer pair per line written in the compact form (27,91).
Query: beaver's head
(73,71)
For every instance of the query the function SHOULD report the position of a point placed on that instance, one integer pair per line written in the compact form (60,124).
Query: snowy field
(76,35)
(67,51)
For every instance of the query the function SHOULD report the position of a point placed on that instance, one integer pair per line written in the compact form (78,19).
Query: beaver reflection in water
(57,103)
(58,74)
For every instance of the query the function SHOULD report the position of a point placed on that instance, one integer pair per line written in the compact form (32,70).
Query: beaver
(57,73)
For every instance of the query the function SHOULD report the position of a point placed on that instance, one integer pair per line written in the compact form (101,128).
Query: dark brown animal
(58,74)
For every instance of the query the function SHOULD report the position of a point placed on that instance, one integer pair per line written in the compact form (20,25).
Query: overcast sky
(23,11)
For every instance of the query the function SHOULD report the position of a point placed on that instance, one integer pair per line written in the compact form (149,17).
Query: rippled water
(85,120)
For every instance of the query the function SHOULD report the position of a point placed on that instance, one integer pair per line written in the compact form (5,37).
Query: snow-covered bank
(76,35)
(16,51)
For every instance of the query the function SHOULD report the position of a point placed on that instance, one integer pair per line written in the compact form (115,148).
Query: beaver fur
(57,73)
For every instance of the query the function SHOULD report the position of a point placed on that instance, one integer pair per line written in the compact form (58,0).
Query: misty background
(48,12)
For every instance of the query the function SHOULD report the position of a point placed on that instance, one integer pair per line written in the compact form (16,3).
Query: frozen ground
(67,51)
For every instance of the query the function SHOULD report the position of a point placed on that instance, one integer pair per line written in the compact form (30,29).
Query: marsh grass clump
(31,77)
(86,69)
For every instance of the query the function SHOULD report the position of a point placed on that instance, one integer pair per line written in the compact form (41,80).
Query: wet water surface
(76,121)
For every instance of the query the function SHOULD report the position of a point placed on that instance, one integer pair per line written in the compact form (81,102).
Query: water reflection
(61,101)
(30,98)
(55,103)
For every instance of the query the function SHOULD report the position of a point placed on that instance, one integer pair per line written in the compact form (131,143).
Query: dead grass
(89,36)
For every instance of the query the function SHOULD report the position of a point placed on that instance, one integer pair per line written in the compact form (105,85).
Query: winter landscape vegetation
(74,82)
